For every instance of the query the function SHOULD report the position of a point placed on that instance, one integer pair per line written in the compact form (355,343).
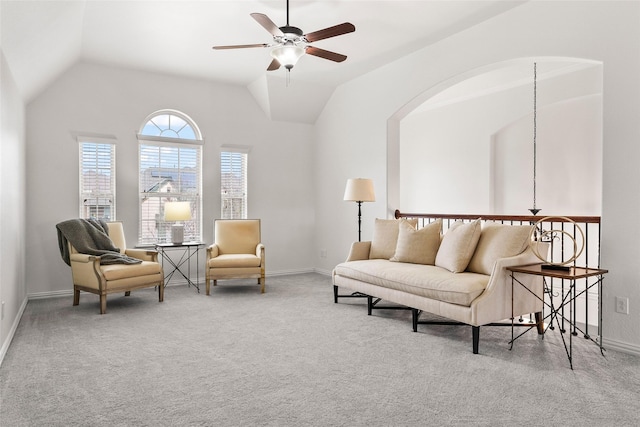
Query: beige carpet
(291,357)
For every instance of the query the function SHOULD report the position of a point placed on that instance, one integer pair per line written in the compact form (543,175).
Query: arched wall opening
(466,144)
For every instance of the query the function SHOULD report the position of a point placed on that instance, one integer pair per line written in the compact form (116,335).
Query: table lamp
(177,211)
(359,190)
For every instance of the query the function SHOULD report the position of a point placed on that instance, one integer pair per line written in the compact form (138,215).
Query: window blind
(169,172)
(233,183)
(97,180)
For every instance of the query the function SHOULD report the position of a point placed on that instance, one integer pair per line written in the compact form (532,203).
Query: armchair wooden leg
(76,296)
(103,304)
(261,282)
(161,292)
(208,289)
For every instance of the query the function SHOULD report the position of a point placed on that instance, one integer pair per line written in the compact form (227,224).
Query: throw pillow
(458,245)
(385,237)
(498,241)
(418,246)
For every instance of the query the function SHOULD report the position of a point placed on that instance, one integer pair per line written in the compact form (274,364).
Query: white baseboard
(323,271)
(288,272)
(50,294)
(12,331)
(622,347)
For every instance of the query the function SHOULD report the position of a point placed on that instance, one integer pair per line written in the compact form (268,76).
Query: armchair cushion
(123,271)
(234,261)
(237,236)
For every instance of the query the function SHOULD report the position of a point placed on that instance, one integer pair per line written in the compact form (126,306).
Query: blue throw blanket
(90,236)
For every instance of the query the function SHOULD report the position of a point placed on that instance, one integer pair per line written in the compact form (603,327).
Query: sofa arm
(359,251)
(495,303)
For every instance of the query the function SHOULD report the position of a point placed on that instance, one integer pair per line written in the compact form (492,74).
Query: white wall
(112,101)
(12,209)
(492,135)
(569,161)
(352,133)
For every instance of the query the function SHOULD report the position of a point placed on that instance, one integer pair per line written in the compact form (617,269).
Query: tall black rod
(535,127)
(359,219)
(287,13)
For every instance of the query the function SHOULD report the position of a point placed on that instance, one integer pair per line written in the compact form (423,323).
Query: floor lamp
(359,190)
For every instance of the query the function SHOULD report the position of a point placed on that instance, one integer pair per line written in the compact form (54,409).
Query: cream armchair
(90,276)
(237,252)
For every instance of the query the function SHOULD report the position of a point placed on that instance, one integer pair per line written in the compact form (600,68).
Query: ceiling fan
(290,43)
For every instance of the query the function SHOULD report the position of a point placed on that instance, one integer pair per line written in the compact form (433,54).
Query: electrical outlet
(622,305)
(2,310)
(323,253)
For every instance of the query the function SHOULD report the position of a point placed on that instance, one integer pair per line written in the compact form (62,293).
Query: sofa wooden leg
(76,296)
(126,294)
(539,322)
(476,338)
(335,294)
(369,304)
(103,304)
(161,292)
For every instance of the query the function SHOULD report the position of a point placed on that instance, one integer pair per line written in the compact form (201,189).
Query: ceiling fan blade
(336,30)
(241,46)
(274,65)
(267,24)
(321,53)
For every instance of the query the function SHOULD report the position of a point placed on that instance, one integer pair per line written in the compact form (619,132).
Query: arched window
(170,170)
(170,124)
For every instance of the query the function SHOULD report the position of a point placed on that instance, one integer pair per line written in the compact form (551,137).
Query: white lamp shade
(287,55)
(177,211)
(359,190)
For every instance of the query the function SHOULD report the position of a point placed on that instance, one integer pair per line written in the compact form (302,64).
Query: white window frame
(160,233)
(227,191)
(89,190)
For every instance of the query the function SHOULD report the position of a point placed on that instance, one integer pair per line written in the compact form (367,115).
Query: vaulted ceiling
(41,39)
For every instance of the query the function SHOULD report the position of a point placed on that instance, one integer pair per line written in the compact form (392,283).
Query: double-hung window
(97,178)
(170,170)
(233,181)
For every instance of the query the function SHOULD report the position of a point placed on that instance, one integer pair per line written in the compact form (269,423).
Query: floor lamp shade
(177,211)
(359,190)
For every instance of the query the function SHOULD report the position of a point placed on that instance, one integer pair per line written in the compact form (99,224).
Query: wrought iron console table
(567,297)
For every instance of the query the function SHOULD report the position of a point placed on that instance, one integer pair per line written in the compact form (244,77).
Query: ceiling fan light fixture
(287,54)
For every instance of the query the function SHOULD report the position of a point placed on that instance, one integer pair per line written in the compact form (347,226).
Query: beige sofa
(460,275)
